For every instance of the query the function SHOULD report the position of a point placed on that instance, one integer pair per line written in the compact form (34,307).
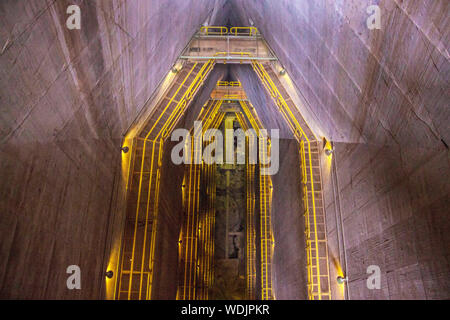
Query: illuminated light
(113,264)
(341,280)
(316,290)
(109,274)
(176,68)
(328,147)
(151,211)
(125,149)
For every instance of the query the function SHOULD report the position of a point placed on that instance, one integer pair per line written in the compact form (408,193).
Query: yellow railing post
(301,137)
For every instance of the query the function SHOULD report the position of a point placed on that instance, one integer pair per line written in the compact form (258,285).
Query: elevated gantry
(237,45)
(135,260)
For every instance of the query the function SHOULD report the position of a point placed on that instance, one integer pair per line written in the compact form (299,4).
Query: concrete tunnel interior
(356,118)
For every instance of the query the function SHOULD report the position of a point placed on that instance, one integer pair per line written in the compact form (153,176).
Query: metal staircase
(141,223)
(315,228)
(196,243)
(197,233)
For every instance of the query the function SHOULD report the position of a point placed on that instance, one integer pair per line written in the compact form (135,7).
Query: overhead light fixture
(125,149)
(109,274)
(328,152)
(174,70)
(341,279)
(282,72)
(328,147)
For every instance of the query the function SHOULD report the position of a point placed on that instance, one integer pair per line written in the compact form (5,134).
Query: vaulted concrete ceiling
(360,84)
(98,78)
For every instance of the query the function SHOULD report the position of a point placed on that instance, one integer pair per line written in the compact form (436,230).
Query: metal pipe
(334,170)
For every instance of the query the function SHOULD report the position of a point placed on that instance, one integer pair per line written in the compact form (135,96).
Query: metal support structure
(315,227)
(196,241)
(136,271)
(197,234)
(265,198)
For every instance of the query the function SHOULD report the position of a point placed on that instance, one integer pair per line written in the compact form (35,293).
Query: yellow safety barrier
(214,30)
(266,234)
(243,31)
(197,236)
(233,53)
(313,254)
(228,83)
(148,196)
(234,31)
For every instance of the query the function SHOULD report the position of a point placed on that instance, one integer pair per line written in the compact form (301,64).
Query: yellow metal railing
(147,205)
(265,185)
(250,218)
(228,83)
(214,30)
(243,31)
(313,254)
(254,120)
(241,120)
(265,199)
(197,236)
(233,54)
(234,31)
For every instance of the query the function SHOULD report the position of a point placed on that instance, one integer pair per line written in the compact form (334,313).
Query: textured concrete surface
(289,257)
(394,215)
(383,95)
(66,99)
(361,85)
(170,213)
(260,99)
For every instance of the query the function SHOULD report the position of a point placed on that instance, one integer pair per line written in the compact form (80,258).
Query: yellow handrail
(233,53)
(234,31)
(243,31)
(299,134)
(214,30)
(155,167)
(231,96)
(228,83)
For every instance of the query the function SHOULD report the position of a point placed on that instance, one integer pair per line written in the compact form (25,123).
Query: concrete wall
(289,259)
(169,225)
(394,214)
(67,97)
(382,97)
(360,84)
(267,111)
